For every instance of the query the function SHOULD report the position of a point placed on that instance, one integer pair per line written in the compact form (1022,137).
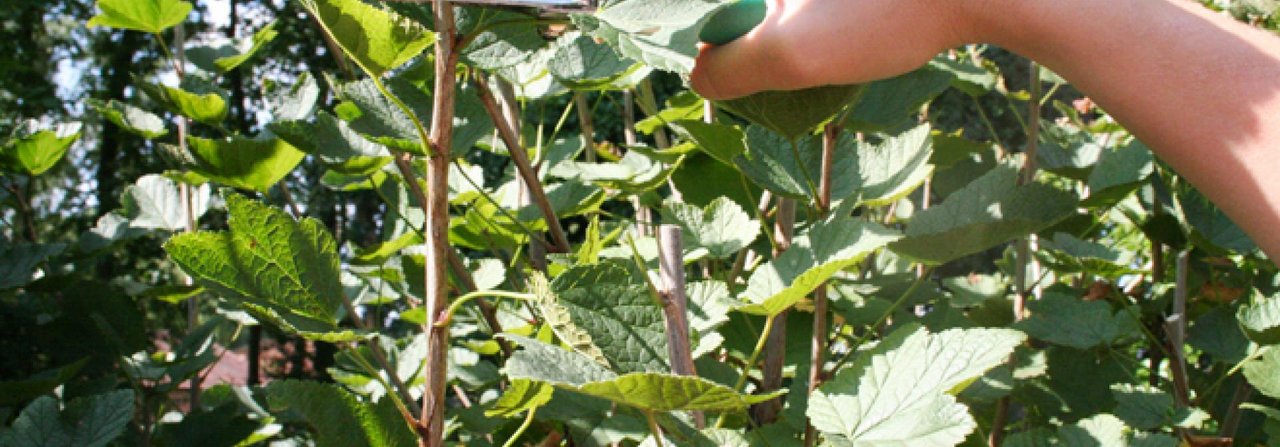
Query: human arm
(1200,89)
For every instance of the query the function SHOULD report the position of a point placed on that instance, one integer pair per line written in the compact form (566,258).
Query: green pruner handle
(733,21)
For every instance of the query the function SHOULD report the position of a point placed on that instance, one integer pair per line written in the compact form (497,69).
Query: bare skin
(1200,89)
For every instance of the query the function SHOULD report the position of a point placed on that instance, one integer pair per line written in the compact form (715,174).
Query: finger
(744,66)
(728,71)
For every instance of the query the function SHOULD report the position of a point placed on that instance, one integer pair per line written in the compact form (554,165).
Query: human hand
(808,43)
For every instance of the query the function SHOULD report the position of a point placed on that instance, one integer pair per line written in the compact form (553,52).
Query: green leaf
(255,164)
(32,151)
(337,418)
(567,199)
(636,173)
(874,401)
(793,114)
(223,426)
(499,38)
(382,121)
(895,167)
(148,16)
(685,106)
(279,269)
(378,40)
(793,168)
(1100,430)
(581,63)
(645,391)
(378,254)
(132,119)
(974,289)
(1147,408)
(523,395)
(14,392)
(1071,321)
(953,148)
(1067,151)
(224,56)
(1261,373)
(334,143)
(21,260)
(1219,334)
(1069,254)
(989,211)
(891,103)
(660,33)
(1119,173)
(202,103)
(155,202)
(814,257)
(297,102)
(970,78)
(722,228)
(91,421)
(173,294)
(666,392)
(720,141)
(1211,228)
(1261,320)
(561,321)
(614,307)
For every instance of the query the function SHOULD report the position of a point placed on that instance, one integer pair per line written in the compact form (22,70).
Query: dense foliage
(501,226)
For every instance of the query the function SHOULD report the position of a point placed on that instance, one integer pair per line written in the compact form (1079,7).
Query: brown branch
(775,350)
(818,347)
(675,306)
(510,136)
(586,125)
(436,296)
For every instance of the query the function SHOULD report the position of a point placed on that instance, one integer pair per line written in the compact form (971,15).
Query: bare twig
(586,124)
(24,206)
(437,226)
(775,351)
(818,347)
(675,305)
(1025,246)
(511,137)
(1175,326)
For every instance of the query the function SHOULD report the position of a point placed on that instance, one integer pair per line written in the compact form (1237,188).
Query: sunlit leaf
(193,100)
(902,391)
(1071,321)
(1261,320)
(991,210)
(21,261)
(91,421)
(34,150)
(156,202)
(523,395)
(814,257)
(378,40)
(279,269)
(148,16)
(646,391)
(256,164)
(722,228)
(337,418)
(130,118)
(793,114)
(660,33)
